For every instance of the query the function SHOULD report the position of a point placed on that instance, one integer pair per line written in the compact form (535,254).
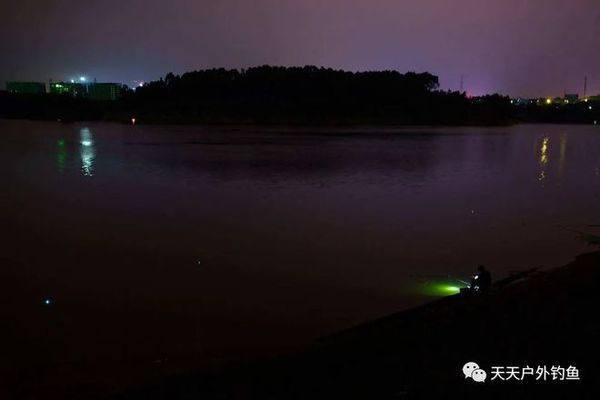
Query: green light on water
(443,289)
(451,289)
(61,155)
(439,289)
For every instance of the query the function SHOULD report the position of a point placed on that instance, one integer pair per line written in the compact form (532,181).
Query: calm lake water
(171,247)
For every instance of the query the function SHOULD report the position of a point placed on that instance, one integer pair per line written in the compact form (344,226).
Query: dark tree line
(307,95)
(265,95)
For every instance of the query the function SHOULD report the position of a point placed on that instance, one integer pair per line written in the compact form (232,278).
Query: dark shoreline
(342,123)
(275,95)
(268,95)
(339,125)
(550,318)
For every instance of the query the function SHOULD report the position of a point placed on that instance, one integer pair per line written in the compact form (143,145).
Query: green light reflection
(440,288)
(61,155)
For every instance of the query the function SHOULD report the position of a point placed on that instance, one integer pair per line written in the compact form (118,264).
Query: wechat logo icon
(472,370)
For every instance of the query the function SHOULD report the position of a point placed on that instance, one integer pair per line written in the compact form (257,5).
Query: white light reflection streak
(87,151)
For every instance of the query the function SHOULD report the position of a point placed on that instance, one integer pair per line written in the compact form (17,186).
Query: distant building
(571,98)
(26,87)
(73,89)
(104,91)
(522,101)
(92,90)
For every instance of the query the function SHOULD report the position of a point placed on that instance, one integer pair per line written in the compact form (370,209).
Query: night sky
(515,47)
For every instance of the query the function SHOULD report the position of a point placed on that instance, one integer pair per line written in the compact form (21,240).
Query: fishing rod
(588,237)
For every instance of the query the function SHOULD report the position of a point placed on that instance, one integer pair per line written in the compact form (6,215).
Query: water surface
(177,247)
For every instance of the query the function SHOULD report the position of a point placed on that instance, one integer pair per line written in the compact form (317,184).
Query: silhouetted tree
(268,94)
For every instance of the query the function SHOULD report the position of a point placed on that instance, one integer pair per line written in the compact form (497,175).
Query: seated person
(482,281)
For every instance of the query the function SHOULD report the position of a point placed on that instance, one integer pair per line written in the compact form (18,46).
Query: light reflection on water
(563,153)
(61,155)
(544,152)
(246,223)
(87,151)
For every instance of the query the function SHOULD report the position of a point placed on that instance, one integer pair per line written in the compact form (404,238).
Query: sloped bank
(548,319)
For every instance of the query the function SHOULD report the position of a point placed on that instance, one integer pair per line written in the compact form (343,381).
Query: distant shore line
(274,124)
(288,124)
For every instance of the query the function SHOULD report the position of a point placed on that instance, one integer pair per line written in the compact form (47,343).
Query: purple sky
(516,47)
